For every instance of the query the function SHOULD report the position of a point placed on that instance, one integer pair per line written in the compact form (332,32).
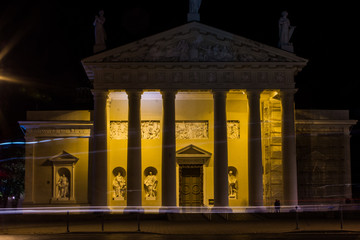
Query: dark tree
(12,173)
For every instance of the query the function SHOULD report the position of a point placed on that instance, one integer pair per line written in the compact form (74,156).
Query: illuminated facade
(193,116)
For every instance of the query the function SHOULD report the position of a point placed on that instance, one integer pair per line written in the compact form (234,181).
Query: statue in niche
(150,184)
(63,187)
(194,6)
(119,186)
(233,188)
(285,32)
(100,34)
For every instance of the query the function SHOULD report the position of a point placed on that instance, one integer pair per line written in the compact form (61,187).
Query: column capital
(253,92)
(134,93)
(214,91)
(168,93)
(220,93)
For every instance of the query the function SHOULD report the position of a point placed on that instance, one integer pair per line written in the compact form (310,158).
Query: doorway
(191,185)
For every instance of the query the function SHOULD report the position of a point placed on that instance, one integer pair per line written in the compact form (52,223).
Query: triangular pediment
(192,151)
(194,42)
(64,157)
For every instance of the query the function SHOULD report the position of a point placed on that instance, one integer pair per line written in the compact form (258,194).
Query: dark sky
(42,43)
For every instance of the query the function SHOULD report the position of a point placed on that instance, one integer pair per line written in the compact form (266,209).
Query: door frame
(201,167)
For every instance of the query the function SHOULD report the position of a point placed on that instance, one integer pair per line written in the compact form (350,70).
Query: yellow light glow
(8,79)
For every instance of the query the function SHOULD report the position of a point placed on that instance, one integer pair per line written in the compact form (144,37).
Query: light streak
(36,142)
(162,209)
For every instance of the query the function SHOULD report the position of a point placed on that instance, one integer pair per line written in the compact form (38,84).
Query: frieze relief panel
(194,79)
(183,129)
(192,129)
(149,129)
(233,129)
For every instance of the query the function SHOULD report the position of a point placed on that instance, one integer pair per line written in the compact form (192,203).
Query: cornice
(57,128)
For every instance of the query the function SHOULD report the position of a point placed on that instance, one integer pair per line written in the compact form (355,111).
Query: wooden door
(191,186)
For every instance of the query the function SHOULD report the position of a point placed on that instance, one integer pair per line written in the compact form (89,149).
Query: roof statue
(100,34)
(285,33)
(193,14)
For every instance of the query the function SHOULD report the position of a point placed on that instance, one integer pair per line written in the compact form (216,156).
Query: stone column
(220,150)
(255,168)
(134,181)
(347,164)
(98,175)
(168,168)
(289,147)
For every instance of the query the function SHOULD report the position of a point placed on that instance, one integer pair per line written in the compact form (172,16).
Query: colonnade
(255,167)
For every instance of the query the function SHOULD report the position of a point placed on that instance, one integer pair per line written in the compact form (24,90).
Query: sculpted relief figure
(119,186)
(150,184)
(285,32)
(63,187)
(232,185)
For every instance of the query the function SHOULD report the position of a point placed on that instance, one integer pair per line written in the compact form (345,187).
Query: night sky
(42,43)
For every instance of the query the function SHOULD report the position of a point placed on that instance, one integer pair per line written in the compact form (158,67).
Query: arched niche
(63,178)
(233,183)
(150,183)
(119,184)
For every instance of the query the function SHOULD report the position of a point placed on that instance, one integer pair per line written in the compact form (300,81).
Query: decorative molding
(58,132)
(195,76)
(57,128)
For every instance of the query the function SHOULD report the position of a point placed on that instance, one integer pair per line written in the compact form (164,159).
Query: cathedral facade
(193,116)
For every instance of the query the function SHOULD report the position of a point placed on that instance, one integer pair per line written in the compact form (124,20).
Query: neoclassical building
(193,116)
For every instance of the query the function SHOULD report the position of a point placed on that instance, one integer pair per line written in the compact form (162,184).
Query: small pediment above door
(63,158)
(192,155)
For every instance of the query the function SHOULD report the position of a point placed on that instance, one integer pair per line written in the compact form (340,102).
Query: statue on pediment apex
(285,32)
(194,6)
(193,14)
(100,34)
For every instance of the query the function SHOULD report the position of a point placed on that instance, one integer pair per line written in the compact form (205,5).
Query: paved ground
(176,224)
(140,236)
